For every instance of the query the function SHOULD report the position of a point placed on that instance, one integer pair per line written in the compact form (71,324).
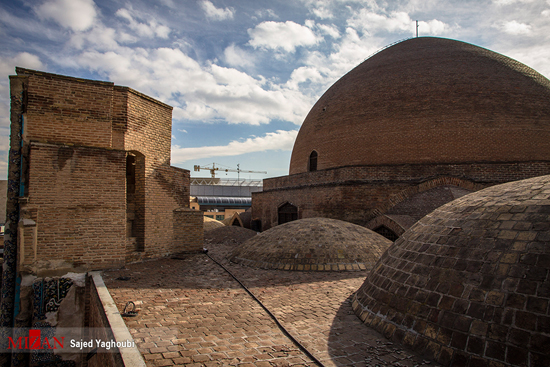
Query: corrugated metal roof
(223,200)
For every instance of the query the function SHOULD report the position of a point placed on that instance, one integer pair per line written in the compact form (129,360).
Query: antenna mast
(417,29)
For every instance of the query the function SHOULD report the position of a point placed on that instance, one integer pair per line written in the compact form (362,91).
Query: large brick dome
(313,244)
(468,284)
(429,100)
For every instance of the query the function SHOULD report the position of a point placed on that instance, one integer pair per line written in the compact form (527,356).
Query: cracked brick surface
(194,314)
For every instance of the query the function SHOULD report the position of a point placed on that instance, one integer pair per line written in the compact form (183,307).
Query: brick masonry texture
(97,177)
(469,284)
(423,110)
(362,193)
(313,244)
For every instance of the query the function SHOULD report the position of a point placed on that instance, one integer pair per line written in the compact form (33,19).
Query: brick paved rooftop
(195,314)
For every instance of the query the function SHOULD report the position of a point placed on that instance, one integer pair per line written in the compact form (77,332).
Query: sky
(242,75)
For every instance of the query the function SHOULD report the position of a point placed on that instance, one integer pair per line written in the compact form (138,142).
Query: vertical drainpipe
(9,271)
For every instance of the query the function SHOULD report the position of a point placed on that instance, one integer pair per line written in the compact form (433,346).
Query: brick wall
(97,175)
(77,198)
(359,194)
(148,131)
(64,109)
(188,230)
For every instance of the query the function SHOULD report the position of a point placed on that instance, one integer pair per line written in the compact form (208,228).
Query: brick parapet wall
(59,109)
(482,173)
(361,193)
(100,328)
(149,127)
(105,323)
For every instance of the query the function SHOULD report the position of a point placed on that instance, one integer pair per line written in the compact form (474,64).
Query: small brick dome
(468,284)
(428,100)
(211,223)
(313,244)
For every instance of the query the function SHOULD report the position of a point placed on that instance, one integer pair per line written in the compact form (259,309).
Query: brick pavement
(194,314)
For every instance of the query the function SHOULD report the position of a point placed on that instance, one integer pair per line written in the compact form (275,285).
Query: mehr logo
(35,341)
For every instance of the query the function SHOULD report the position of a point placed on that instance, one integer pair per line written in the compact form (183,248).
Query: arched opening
(386,232)
(287,213)
(256,225)
(135,200)
(312,164)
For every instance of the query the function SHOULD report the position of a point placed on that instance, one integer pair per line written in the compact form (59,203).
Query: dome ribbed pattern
(469,283)
(429,100)
(313,244)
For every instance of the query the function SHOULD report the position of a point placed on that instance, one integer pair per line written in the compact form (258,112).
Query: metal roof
(223,200)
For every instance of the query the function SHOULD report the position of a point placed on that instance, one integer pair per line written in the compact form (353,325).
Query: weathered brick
(98,183)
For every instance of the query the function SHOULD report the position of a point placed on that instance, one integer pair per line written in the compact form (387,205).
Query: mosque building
(417,125)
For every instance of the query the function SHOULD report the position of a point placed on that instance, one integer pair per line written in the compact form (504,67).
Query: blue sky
(242,75)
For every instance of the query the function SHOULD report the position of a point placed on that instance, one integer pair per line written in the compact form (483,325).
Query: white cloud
(279,140)
(22,59)
(168,3)
(546,13)
(302,75)
(433,27)
(278,35)
(330,30)
(373,23)
(236,56)
(266,13)
(514,28)
(320,8)
(322,12)
(509,2)
(534,56)
(7,67)
(199,92)
(214,13)
(78,15)
(98,38)
(348,53)
(149,28)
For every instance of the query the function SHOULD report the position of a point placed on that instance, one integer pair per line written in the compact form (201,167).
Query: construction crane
(213,170)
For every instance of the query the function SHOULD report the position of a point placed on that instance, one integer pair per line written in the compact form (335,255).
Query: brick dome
(428,100)
(313,244)
(468,285)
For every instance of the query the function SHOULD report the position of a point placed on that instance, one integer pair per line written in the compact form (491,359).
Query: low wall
(106,323)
